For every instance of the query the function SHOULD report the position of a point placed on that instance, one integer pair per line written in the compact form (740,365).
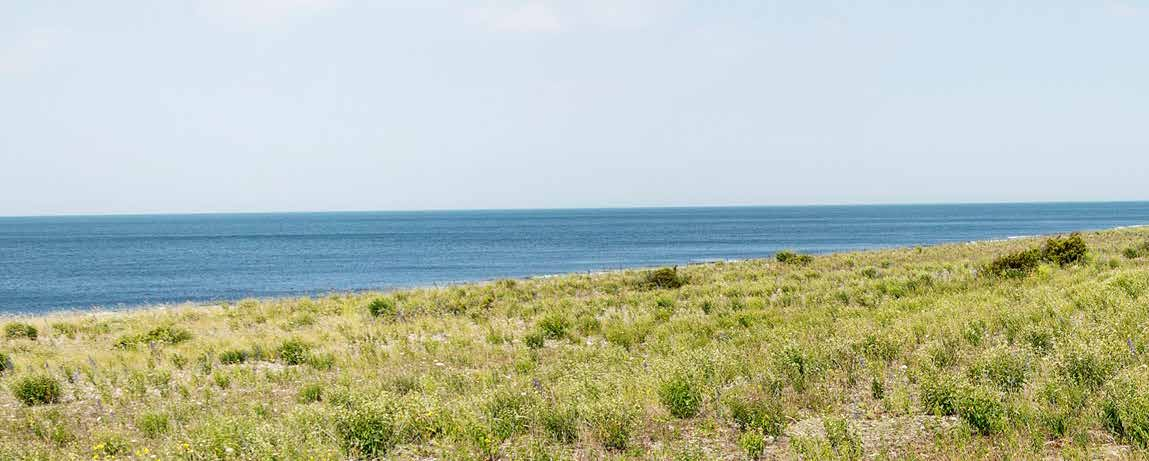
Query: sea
(115,262)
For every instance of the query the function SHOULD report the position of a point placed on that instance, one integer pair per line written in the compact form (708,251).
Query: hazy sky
(259,105)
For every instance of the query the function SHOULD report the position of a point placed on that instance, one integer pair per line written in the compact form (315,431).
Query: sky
(312,105)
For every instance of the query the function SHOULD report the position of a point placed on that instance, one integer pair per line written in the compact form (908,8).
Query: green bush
(790,257)
(845,442)
(757,414)
(165,334)
(17,330)
(1016,264)
(613,424)
(232,356)
(554,325)
(369,430)
(681,396)
(293,352)
(1065,251)
(560,422)
(1125,409)
(665,278)
(382,307)
(5,362)
(311,393)
(753,443)
(37,390)
(1137,251)
(981,409)
(507,413)
(535,340)
(939,394)
(1085,367)
(1007,371)
(152,424)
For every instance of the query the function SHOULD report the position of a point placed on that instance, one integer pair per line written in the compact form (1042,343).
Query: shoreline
(207,304)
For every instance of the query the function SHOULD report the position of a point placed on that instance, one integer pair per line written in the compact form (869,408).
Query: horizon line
(573,208)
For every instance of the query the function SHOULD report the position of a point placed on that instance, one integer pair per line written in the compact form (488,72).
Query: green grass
(902,353)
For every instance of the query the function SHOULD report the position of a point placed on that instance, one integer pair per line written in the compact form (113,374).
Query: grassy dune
(904,353)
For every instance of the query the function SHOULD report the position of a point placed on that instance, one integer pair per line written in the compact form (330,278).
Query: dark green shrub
(232,356)
(382,307)
(757,414)
(845,442)
(877,389)
(790,257)
(311,393)
(1017,264)
(507,413)
(981,409)
(293,352)
(1007,371)
(37,390)
(753,443)
(5,362)
(681,396)
(152,424)
(17,330)
(939,394)
(613,425)
(165,334)
(369,430)
(1125,409)
(1065,251)
(535,340)
(554,325)
(665,278)
(1137,251)
(561,422)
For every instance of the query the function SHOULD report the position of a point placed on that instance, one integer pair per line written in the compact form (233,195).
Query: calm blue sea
(49,263)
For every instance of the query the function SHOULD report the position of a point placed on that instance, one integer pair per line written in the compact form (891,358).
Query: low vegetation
(1023,349)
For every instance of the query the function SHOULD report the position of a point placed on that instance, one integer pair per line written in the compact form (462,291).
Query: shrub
(152,424)
(939,394)
(293,352)
(321,362)
(1125,409)
(554,325)
(507,413)
(790,257)
(756,414)
(534,340)
(845,442)
(37,390)
(311,393)
(5,362)
(877,389)
(1085,367)
(165,334)
(368,430)
(613,424)
(111,446)
(681,396)
(754,443)
(1007,371)
(382,307)
(561,422)
(232,356)
(981,409)
(1016,264)
(665,278)
(1065,251)
(1137,251)
(17,330)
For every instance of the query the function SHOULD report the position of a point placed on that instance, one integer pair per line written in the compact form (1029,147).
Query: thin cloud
(530,17)
(264,13)
(28,51)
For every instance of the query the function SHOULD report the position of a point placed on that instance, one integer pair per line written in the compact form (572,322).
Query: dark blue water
(49,263)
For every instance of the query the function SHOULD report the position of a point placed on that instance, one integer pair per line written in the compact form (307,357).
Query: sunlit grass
(915,352)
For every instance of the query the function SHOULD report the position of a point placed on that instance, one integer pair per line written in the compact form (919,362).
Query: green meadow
(1028,348)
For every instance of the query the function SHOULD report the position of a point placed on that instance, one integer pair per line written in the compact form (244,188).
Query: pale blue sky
(261,105)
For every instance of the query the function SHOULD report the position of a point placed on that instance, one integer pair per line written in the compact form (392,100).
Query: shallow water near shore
(49,263)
